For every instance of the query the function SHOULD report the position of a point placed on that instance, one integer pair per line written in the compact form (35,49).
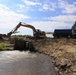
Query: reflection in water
(25,63)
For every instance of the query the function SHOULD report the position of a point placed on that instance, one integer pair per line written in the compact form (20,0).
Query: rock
(74,68)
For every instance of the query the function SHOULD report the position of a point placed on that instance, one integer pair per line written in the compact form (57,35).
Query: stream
(25,63)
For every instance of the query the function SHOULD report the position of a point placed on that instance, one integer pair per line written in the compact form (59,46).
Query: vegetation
(21,36)
(2,46)
(6,46)
(74,26)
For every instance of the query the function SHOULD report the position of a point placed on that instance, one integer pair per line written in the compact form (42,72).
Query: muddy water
(25,63)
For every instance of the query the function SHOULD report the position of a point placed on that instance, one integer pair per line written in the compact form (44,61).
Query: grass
(2,46)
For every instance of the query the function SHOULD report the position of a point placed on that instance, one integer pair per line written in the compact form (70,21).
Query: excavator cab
(39,34)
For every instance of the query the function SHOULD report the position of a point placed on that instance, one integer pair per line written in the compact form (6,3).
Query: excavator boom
(14,30)
(36,33)
(49,32)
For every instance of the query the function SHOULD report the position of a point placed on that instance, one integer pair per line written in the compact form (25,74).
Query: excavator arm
(14,30)
(49,32)
(29,26)
(36,33)
(18,26)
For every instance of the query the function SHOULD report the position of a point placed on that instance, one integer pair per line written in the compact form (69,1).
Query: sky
(46,15)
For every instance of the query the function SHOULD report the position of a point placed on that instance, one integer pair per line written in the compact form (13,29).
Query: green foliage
(17,36)
(74,26)
(21,36)
(2,46)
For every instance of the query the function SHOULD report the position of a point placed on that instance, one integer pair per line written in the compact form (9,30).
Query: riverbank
(63,51)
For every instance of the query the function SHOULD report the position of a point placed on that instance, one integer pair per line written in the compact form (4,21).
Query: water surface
(25,63)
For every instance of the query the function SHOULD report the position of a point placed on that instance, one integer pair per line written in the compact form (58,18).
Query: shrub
(2,46)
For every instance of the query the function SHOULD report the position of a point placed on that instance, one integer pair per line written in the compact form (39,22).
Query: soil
(63,51)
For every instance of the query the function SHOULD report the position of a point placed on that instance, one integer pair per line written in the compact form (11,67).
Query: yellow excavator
(36,32)
(49,32)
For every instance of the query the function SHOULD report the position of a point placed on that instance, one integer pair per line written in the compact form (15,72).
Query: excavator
(49,32)
(36,32)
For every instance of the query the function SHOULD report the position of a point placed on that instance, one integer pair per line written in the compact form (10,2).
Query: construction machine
(36,32)
(49,32)
(67,33)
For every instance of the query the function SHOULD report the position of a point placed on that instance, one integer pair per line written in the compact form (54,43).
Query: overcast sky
(45,15)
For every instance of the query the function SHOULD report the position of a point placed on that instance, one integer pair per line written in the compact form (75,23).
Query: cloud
(21,8)
(50,25)
(9,18)
(74,2)
(45,6)
(41,6)
(48,6)
(66,7)
(63,18)
(31,3)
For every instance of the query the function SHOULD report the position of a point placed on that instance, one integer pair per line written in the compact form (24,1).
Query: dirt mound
(63,52)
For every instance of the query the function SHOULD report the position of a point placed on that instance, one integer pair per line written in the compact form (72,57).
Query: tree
(74,26)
